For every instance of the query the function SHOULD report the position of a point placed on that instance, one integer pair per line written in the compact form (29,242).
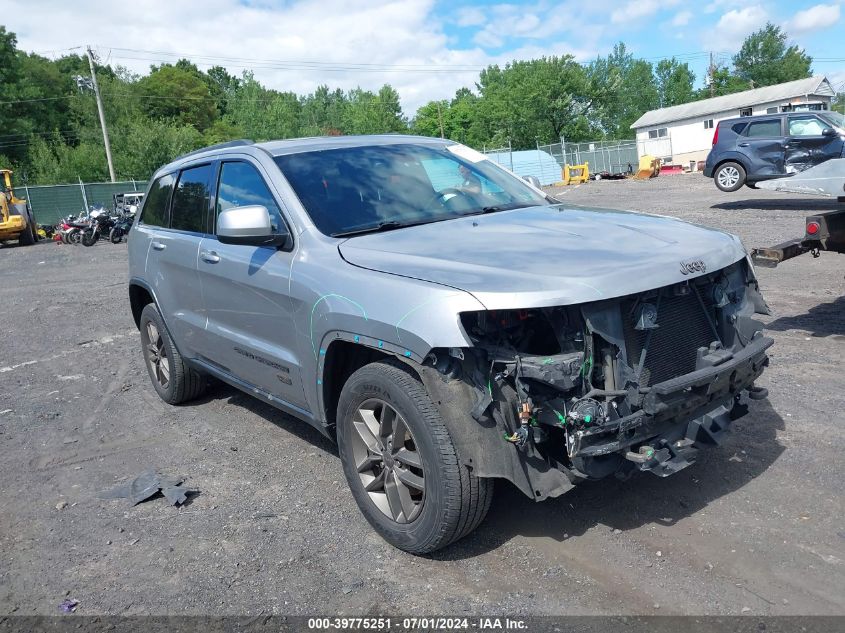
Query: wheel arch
(341,358)
(140,294)
(733,158)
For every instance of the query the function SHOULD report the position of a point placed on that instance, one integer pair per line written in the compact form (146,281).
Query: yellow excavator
(16,219)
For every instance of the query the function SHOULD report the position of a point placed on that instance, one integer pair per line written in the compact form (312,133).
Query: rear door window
(190,200)
(241,185)
(155,204)
(766,129)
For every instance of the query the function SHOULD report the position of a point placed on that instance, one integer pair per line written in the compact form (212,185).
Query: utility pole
(102,113)
(711,70)
(440,118)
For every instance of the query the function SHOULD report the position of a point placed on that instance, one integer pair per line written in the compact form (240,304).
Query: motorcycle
(70,228)
(123,225)
(101,223)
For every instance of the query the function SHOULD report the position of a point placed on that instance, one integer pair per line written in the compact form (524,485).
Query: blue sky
(651,29)
(426,49)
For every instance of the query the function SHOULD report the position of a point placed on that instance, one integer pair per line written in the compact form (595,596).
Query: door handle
(159,246)
(210,256)
(743,145)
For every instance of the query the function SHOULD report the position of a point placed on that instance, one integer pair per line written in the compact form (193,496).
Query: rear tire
(444,501)
(116,236)
(174,381)
(729,176)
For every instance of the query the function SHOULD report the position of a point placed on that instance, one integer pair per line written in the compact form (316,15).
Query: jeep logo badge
(693,266)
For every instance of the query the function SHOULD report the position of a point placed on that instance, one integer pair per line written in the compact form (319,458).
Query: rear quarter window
(764,128)
(155,204)
(739,127)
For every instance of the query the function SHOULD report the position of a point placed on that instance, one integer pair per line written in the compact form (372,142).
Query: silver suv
(447,322)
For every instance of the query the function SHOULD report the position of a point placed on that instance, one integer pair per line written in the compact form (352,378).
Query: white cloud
(634,10)
(682,18)
(820,16)
(470,16)
(637,9)
(346,34)
(342,32)
(734,26)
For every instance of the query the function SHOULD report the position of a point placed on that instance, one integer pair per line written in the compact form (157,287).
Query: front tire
(729,176)
(401,464)
(89,237)
(27,237)
(174,381)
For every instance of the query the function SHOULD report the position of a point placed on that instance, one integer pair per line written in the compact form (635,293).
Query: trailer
(823,231)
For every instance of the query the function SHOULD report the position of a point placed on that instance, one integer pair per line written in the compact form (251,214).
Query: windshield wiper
(387,225)
(500,207)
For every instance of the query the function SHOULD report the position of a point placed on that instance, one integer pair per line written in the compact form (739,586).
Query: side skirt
(260,394)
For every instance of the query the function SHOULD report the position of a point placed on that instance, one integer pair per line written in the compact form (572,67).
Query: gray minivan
(747,150)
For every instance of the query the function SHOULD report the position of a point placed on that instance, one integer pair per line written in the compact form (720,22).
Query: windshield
(834,117)
(359,189)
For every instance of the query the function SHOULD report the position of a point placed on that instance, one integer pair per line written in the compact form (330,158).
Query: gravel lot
(754,527)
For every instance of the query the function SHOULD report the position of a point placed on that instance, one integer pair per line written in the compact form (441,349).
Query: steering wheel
(443,196)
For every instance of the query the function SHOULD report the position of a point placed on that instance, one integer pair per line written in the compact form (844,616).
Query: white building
(683,134)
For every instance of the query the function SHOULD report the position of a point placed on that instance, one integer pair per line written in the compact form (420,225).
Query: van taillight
(716,135)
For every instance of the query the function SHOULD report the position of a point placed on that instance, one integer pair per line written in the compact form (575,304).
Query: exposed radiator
(682,328)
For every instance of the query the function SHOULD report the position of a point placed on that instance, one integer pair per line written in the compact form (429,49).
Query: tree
(262,114)
(534,101)
(323,111)
(177,93)
(839,102)
(765,59)
(723,82)
(625,89)
(674,83)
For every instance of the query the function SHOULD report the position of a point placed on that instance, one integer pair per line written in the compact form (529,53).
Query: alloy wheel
(157,355)
(387,461)
(728,176)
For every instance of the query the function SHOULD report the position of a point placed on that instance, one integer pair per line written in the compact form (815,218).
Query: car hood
(547,255)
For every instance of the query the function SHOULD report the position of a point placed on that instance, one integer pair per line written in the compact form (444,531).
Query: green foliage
(51,131)
(839,102)
(723,82)
(534,101)
(625,88)
(674,83)
(765,59)
(177,93)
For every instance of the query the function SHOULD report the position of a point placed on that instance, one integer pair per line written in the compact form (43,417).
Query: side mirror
(828,131)
(249,225)
(532,180)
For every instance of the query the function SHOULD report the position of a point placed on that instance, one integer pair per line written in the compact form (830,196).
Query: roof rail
(237,143)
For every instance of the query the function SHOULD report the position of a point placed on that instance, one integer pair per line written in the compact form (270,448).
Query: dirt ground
(754,527)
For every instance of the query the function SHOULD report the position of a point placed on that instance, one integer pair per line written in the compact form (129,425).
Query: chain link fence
(613,157)
(50,203)
(546,162)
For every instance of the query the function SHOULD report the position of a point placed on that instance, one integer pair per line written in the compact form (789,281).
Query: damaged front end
(548,397)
